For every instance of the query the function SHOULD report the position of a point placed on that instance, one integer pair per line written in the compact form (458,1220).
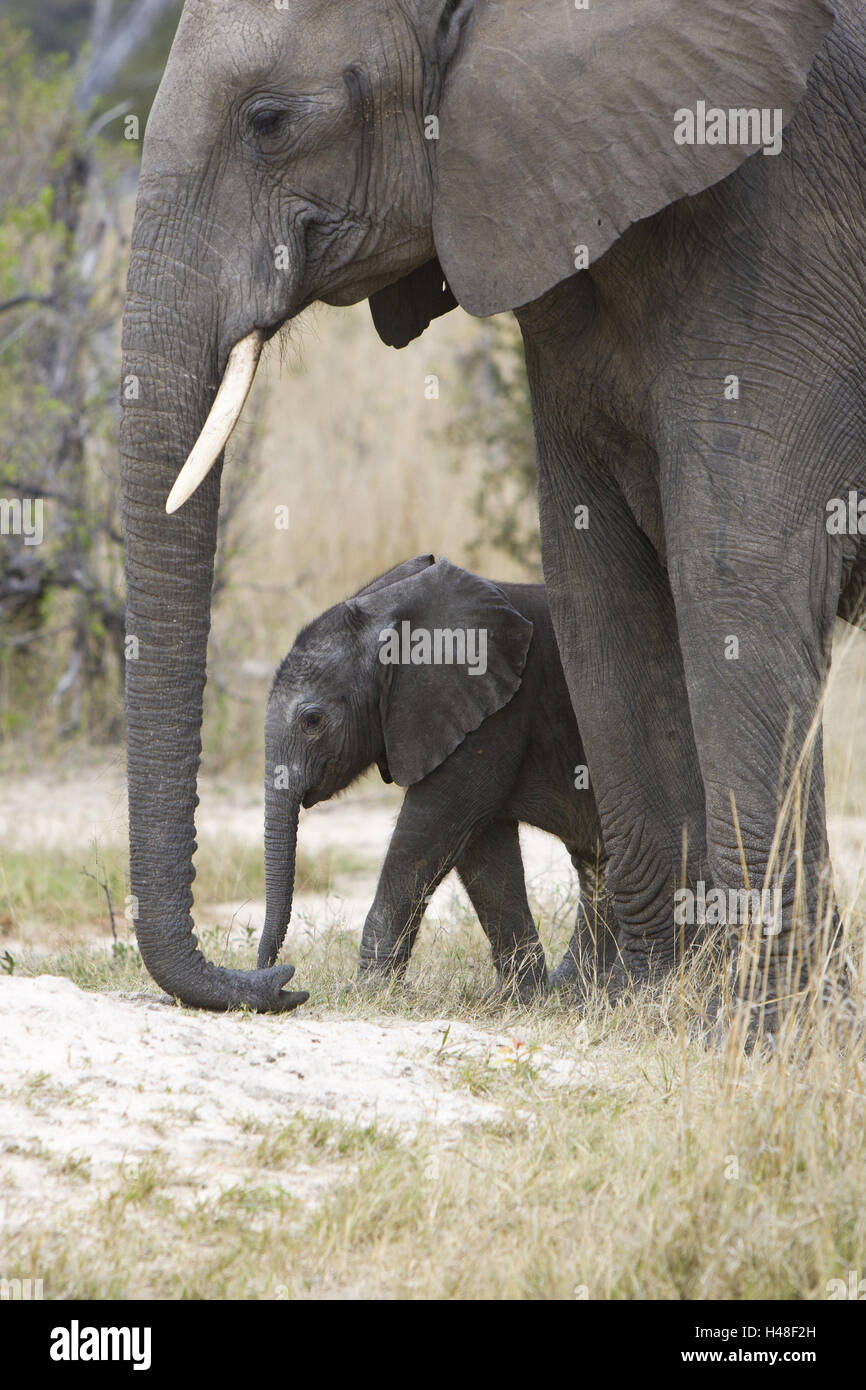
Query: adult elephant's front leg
(616,628)
(756,596)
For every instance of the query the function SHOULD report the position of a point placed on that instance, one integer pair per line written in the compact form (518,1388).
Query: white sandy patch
(108,1080)
(55,809)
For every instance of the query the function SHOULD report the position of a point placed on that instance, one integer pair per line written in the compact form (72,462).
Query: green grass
(65,887)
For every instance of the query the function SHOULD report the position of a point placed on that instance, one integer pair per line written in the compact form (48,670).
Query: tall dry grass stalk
(808,980)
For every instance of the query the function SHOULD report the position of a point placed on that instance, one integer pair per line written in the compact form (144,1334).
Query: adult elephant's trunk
(281,838)
(173,362)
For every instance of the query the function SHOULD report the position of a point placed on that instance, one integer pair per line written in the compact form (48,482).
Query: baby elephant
(453,686)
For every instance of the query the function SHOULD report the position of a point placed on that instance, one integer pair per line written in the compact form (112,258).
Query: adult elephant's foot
(789,1020)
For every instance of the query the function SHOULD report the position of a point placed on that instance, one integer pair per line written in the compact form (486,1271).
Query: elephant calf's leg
(491,870)
(423,849)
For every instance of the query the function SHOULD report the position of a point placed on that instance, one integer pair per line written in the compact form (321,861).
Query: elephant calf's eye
(312,720)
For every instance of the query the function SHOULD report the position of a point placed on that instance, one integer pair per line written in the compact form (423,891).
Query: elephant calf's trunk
(281,837)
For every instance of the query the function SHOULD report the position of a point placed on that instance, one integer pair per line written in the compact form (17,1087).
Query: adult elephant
(698,389)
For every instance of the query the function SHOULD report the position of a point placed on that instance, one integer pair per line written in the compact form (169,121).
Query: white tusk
(224,415)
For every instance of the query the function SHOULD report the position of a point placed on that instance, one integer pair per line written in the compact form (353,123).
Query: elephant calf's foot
(521,988)
(577,979)
(522,975)
(378,977)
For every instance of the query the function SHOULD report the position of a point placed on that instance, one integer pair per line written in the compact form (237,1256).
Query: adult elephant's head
(303,150)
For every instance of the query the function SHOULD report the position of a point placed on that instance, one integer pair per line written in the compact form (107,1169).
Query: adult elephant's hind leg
(757,590)
(491,871)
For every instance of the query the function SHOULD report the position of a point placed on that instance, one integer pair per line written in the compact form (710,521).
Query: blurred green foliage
(67,185)
(64,27)
(495,417)
(61,602)
(56,26)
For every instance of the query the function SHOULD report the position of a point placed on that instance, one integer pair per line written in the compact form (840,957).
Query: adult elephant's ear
(403,310)
(450,650)
(557,124)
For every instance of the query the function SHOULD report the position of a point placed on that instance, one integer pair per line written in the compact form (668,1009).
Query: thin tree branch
(25,299)
(103,883)
(129,33)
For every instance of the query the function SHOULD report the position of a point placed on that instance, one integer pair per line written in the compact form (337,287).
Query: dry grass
(678,1172)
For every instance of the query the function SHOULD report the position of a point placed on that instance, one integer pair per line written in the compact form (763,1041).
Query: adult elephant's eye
(267,122)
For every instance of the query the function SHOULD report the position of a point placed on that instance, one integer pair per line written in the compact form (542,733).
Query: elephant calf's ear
(403,310)
(452,649)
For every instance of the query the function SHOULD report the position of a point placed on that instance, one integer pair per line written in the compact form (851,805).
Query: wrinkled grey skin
(335,709)
(306,128)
